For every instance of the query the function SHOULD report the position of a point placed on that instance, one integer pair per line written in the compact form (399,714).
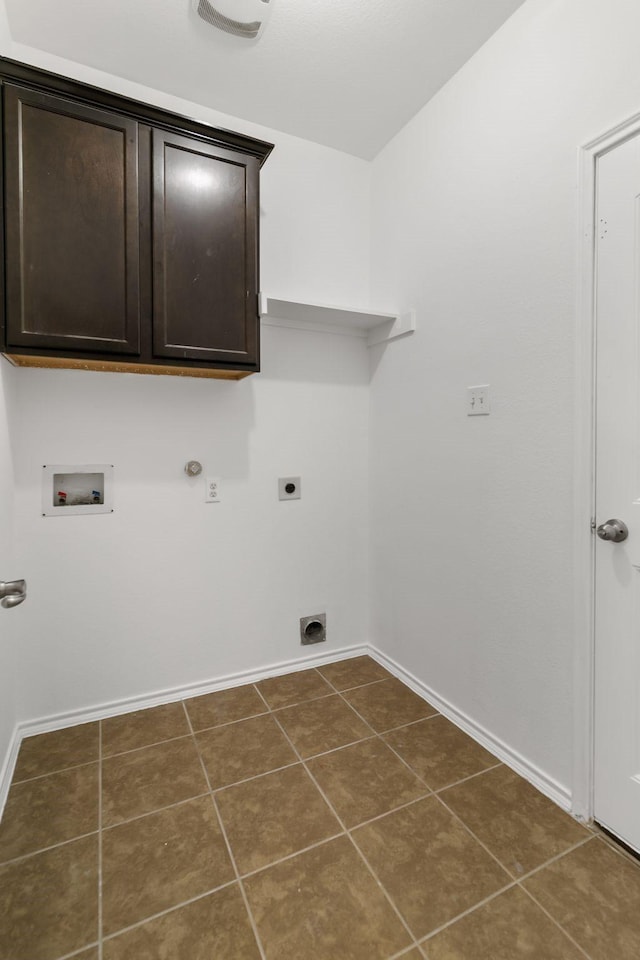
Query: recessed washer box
(71,489)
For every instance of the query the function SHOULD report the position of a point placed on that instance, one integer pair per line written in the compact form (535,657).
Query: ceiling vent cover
(242,18)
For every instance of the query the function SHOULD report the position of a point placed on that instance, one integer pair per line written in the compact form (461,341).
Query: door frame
(584,468)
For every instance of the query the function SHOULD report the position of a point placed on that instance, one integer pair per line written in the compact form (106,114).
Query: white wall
(475,222)
(169,590)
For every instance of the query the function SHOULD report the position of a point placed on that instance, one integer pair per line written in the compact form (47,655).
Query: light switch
(478,402)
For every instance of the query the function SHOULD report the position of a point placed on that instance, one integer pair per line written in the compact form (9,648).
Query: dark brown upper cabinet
(204,214)
(131,234)
(71,225)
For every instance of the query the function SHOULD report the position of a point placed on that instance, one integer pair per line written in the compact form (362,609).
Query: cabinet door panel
(204,252)
(72,225)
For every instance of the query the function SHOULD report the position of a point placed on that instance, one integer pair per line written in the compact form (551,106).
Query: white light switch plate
(478,401)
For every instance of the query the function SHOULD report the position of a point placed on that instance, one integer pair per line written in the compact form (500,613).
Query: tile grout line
(472,776)
(291,856)
(381,816)
(376,878)
(256,776)
(351,840)
(468,911)
(414,723)
(149,813)
(145,746)
(303,761)
(558,856)
(264,699)
(405,952)
(516,880)
(100,904)
(406,764)
(163,913)
(296,703)
(53,773)
(319,843)
(343,746)
(380,737)
(52,846)
(515,883)
(554,921)
(232,859)
(245,898)
(78,953)
(358,715)
(357,686)
(457,817)
(227,723)
(401,726)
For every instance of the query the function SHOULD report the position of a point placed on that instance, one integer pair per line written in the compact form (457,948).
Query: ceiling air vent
(242,18)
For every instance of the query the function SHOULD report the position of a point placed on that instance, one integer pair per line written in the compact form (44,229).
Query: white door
(617,589)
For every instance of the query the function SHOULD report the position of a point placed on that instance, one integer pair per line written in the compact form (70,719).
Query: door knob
(13,592)
(615,530)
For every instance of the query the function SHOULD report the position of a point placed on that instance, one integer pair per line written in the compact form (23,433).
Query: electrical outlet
(289,488)
(478,403)
(213,490)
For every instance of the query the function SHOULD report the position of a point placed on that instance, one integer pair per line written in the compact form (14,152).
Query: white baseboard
(547,785)
(59,721)
(538,778)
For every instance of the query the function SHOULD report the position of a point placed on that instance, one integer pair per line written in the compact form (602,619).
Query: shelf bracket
(400,326)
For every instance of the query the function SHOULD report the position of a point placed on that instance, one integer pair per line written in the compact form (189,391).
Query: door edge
(583,770)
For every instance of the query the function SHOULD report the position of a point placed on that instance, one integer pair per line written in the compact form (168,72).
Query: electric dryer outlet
(289,488)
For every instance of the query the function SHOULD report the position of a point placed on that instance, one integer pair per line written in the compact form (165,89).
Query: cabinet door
(205,257)
(72,224)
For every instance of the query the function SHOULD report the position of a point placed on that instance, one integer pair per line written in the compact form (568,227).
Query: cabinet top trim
(15,72)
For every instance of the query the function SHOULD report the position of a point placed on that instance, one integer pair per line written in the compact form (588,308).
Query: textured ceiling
(345,73)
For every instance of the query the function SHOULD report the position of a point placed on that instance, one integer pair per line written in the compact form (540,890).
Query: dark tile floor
(329,814)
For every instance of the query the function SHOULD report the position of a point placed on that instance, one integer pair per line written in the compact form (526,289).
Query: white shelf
(374,327)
